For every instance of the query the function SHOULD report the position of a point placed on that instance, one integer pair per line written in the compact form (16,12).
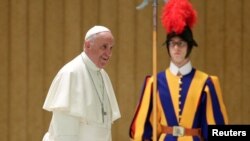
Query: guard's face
(99,49)
(178,50)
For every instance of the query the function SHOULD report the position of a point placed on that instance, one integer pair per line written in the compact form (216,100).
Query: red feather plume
(177,14)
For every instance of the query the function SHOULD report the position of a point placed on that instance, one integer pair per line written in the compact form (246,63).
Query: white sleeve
(64,127)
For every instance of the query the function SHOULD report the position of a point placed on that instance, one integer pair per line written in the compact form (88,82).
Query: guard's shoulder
(202,74)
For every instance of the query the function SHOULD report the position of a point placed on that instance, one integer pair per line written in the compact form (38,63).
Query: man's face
(178,50)
(99,49)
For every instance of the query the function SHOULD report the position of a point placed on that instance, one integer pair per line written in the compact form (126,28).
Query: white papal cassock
(76,97)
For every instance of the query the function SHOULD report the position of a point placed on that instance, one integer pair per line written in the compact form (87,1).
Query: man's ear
(87,44)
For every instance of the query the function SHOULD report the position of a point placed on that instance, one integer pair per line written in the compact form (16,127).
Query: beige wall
(38,36)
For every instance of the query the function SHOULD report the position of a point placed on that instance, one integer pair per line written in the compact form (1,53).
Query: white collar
(90,64)
(185,69)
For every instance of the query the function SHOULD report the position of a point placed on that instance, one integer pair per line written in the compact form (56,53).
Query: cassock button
(180,82)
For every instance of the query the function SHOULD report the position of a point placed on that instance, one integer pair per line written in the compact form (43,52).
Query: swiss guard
(187,99)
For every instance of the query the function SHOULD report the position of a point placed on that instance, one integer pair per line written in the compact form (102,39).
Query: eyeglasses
(178,43)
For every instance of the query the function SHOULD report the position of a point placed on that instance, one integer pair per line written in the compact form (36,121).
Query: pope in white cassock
(81,96)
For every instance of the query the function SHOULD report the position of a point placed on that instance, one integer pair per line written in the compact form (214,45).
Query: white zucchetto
(96,29)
